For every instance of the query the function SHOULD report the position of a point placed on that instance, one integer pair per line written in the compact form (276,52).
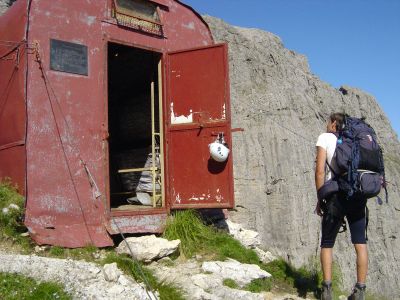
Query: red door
(198,107)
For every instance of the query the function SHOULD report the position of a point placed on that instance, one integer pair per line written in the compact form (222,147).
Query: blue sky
(351,42)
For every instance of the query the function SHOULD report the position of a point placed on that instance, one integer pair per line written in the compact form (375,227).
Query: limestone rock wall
(282,107)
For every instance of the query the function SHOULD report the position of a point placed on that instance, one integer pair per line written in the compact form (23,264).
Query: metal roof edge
(199,16)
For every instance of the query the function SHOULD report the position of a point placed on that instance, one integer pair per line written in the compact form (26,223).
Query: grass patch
(137,270)
(11,210)
(304,280)
(86,253)
(15,287)
(259,285)
(224,246)
(187,226)
(198,238)
(337,280)
(57,251)
(230,283)
(255,286)
(11,215)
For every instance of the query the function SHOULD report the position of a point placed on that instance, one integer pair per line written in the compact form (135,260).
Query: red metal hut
(107,109)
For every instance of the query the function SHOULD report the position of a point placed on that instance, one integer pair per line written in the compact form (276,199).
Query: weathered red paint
(144,223)
(58,138)
(12,94)
(198,84)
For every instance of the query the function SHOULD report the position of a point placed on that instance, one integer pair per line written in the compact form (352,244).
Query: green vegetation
(15,287)
(142,274)
(86,253)
(224,246)
(230,283)
(11,206)
(57,251)
(304,280)
(197,238)
(187,226)
(337,280)
(11,213)
(259,285)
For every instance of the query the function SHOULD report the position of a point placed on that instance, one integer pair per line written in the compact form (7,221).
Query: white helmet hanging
(219,149)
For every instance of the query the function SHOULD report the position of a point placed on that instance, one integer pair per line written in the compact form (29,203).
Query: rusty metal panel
(183,28)
(138,223)
(66,146)
(186,29)
(199,109)
(66,203)
(12,93)
(70,235)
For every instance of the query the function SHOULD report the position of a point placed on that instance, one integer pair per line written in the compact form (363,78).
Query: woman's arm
(320,168)
(320,174)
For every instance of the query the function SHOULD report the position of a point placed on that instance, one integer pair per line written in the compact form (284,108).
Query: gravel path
(83,280)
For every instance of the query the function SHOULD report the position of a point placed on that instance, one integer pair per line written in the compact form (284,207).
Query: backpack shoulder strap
(337,134)
(366,221)
(330,168)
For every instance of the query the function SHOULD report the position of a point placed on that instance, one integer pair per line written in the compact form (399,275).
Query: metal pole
(153,152)
(161,130)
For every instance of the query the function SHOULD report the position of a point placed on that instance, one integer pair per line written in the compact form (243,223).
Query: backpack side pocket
(328,189)
(370,184)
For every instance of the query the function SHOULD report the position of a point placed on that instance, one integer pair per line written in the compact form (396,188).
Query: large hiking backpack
(359,158)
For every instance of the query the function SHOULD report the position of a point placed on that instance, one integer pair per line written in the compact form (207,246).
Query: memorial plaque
(68,57)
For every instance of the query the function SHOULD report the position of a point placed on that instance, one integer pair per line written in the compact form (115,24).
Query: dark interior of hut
(130,74)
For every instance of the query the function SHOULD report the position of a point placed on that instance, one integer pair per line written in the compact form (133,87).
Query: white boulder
(111,272)
(265,256)
(248,238)
(148,248)
(242,274)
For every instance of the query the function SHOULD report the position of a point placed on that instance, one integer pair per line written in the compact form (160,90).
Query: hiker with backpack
(349,170)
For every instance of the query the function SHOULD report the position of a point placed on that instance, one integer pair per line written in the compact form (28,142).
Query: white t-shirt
(328,141)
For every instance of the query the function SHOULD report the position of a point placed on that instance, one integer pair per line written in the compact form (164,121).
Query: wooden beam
(136,170)
(161,134)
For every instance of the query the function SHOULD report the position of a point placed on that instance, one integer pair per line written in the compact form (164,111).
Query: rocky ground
(81,279)
(86,280)
(204,280)
(197,278)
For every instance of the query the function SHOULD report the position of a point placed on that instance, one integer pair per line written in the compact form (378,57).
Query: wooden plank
(136,170)
(161,126)
(153,145)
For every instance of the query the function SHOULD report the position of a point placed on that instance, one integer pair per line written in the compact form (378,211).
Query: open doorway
(135,129)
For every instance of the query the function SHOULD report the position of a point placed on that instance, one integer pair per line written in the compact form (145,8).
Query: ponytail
(340,119)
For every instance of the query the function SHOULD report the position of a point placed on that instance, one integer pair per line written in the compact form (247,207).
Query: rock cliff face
(282,107)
